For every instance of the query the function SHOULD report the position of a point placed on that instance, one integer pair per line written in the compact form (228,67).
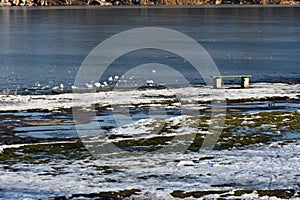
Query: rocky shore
(140,2)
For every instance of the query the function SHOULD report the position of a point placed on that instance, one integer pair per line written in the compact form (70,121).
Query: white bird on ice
(150,82)
(97,84)
(89,86)
(116,78)
(105,83)
(74,87)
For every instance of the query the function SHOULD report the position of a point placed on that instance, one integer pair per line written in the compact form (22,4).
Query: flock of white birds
(91,85)
(112,80)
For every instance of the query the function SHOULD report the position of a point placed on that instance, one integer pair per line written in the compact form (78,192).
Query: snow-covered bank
(258,151)
(274,166)
(189,96)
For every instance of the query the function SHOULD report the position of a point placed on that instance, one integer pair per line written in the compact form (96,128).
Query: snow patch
(187,96)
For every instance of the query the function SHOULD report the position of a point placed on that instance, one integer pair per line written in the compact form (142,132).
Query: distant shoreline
(150,6)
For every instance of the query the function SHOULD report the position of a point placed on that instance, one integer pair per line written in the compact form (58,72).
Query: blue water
(41,48)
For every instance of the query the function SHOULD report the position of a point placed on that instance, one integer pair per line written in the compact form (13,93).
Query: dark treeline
(139,2)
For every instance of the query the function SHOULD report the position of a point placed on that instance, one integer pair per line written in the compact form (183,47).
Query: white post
(217,83)
(245,82)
